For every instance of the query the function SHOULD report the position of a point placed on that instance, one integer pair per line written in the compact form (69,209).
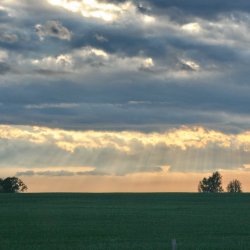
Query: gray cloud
(54,29)
(57,173)
(208,9)
(45,173)
(4,68)
(9,38)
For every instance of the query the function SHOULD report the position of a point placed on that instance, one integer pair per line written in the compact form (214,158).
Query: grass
(124,221)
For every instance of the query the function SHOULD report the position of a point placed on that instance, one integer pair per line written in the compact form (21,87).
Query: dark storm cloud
(52,28)
(193,76)
(48,72)
(225,96)
(100,105)
(207,9)
(4,68)
(4,16)
(7,37)
(32,20)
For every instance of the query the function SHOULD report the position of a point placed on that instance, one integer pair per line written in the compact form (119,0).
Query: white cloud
(183,138)
(86,59)
(148,63)
(192,28)
(61,62)
(3,55)
(148,19)
(94,9)
(52,105)
(90,51)
(191,64)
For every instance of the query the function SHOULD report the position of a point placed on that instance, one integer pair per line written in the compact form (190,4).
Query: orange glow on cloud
(183,138)
(135,161)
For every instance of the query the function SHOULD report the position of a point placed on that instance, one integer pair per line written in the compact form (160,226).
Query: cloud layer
(125,65)
(54,152)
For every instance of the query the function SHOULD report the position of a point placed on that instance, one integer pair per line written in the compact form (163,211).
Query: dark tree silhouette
(12,185)
(1,187)
(234,186)
(212,184)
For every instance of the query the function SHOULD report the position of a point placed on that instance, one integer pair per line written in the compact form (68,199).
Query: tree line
(213,184)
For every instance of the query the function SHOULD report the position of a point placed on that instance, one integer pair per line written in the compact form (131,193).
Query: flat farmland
(76,221)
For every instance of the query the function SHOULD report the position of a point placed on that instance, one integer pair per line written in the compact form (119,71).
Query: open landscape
(124,125)
(124,221)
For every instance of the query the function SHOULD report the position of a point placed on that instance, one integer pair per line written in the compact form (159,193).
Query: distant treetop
(12,185)
(212,184)
(234,186)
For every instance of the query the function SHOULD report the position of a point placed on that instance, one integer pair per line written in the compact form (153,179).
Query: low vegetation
(124,221)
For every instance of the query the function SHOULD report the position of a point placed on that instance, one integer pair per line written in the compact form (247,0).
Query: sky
(124,96)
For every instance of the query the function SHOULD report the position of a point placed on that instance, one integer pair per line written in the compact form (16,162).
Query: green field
(124,221)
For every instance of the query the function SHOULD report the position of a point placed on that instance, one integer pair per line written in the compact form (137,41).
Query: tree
(234,186)
(12,185)
(1,187)
(212,184)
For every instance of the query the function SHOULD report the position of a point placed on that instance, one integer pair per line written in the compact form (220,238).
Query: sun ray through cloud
(135,90)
